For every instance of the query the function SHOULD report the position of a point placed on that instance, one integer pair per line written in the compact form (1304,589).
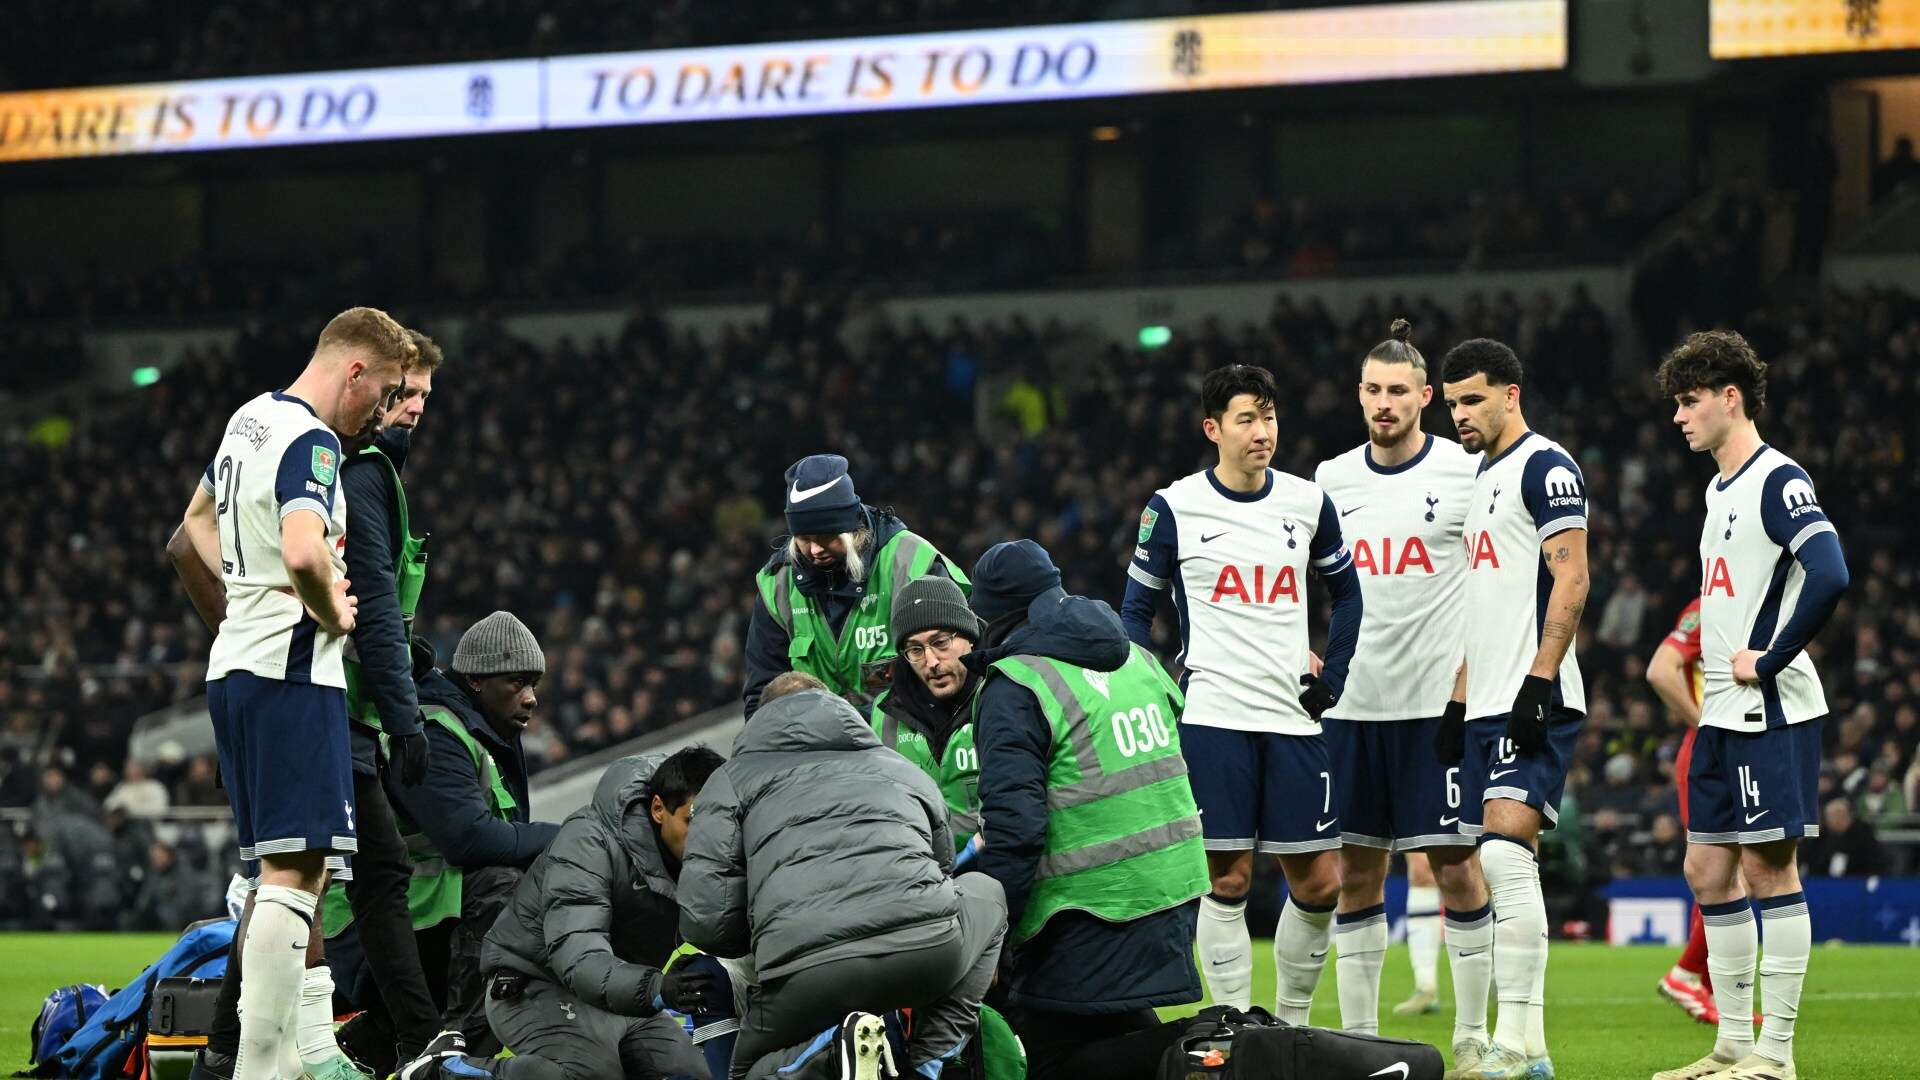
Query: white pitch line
(1655,999)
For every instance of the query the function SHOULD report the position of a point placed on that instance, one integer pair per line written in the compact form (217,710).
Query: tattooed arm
(1566,556)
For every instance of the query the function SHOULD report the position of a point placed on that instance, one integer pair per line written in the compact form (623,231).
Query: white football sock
(1783,968)
(273,962)
(1361,938)
(1226,951)
(1733,947)
(1423,935)
(1299,953)
(1519,938)
(1470,942)
(317,1046)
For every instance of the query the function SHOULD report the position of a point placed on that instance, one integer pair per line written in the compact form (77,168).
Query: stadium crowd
(620,493)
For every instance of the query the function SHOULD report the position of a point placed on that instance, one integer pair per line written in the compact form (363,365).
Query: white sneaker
(1467,1054)
(1422,1001)
(1711,1065)
(1503,1063)
(1755,1067)
(447,1044)
(864,1051)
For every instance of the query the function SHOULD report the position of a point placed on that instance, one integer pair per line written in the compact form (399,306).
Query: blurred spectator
(1899,168)
(1846,846)
(201,784)
(173,893)
(17,787)
(138,794)
(59,798)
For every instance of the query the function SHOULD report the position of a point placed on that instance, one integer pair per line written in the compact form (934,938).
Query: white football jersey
(1238,564)
(1749,587)
(1404,524)
(276,459)
(1532,491)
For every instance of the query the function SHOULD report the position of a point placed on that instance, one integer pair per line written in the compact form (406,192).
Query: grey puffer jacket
(596,912)
(813,841)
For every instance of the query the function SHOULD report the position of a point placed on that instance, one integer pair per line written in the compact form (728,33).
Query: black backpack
(1228,1044)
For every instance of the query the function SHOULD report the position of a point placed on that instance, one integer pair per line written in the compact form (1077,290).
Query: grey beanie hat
(931,603)
(496,645)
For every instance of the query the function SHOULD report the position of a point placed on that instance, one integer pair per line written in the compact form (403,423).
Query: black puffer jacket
(596,913)
(814,840)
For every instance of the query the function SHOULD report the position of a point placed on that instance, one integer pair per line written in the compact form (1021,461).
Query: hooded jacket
(833,591)
(814,843)
(450,806)
(596,913)
(1078,963)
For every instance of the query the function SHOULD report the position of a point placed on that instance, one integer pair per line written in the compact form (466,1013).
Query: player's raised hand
(1527,723)
(1745,669)
(1450,738)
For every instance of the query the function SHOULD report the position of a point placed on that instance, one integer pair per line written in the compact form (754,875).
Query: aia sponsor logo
(1406,557)
(1480,551)
(1256,585)
(1716,576)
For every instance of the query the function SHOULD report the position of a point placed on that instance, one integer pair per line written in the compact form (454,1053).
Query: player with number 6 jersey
(268,518)
(1519,703)
(1772,572)
(1234,543)
(1403,497)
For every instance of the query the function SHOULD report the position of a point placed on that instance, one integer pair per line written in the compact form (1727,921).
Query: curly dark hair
(1482,356)
(1712,360)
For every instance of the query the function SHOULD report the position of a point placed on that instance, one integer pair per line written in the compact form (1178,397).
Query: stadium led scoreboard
(1749,29)
(761,81)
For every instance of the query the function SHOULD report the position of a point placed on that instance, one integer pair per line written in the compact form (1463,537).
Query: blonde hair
(855,541)
(370,330)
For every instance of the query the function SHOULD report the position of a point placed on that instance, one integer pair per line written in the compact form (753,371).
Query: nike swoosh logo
(1751,818)
(1217,963)
(1501,773)
(1344,513)
(1469,952)
(1321,955)
(1449,821)
(800,494)
(1205,539)
(1323,826)
(1398,1068)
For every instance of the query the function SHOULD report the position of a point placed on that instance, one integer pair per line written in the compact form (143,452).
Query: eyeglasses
(917,651)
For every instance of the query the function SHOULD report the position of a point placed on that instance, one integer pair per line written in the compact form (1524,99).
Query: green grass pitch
(1857,1020)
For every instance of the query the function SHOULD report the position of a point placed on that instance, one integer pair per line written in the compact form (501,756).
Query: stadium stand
(624,532)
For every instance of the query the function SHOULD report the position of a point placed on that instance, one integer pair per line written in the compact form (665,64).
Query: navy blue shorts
(285,760)
(1754,787)
(1393,795)
(1495,769)
(1259,791)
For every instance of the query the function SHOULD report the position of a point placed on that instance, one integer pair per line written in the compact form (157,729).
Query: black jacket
(450,806)
(816,843)
(373,543)
(596,913)
(766,654)
(1078,963)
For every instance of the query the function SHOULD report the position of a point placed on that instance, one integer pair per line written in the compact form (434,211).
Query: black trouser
(1111,1046)
(377,893)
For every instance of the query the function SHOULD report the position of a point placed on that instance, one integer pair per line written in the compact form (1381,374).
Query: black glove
(407,756)
(687,989)
(424,657)
(1450,738)
(1316,696)
(1527,723)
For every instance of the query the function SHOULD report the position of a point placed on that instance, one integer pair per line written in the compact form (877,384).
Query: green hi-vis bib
(855,663)
(433,893)
(409,578)
(1123,834)
(957,772)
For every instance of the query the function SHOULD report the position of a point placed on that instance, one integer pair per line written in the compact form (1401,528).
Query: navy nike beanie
(820,497)
(1009,576)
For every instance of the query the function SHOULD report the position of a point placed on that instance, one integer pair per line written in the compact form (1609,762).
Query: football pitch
(1857,1020)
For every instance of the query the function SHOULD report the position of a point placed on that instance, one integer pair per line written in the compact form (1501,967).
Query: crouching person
(574,965)
(829,859)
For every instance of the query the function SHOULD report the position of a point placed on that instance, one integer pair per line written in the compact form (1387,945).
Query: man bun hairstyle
(1222,385)
(1483,356)
(1398,349)
(372,331)
(681,776)
(1712,360)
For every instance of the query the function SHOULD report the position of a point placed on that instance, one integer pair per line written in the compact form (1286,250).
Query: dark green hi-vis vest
(433,892)
(855,662)
(957,772)
(1123,833)
(409,578)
